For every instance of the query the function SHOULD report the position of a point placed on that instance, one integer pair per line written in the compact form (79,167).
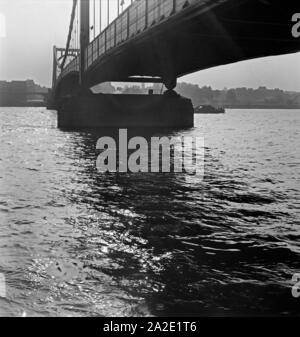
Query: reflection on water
(76,242)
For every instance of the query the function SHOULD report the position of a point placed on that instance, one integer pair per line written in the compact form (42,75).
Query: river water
(74,242)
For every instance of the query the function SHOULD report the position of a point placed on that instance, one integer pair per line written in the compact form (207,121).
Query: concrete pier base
(107,110)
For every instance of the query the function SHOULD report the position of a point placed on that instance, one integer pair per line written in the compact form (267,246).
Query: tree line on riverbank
(231,98)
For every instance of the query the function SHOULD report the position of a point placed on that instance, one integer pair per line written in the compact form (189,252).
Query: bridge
(162,40)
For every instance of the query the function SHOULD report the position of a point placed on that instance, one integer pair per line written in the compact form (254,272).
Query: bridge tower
(84,36)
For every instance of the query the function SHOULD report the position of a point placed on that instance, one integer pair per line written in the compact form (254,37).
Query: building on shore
(22,93)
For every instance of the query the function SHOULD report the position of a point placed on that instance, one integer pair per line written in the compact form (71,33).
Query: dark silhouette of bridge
(161,40)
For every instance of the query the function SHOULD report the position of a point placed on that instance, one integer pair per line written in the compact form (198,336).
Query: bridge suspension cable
(73,14)
(101,14)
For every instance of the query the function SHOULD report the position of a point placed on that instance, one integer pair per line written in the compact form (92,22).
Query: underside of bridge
(208,34)
(219,33)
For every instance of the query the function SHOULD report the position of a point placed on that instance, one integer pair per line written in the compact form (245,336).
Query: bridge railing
(139,16)
(72,66)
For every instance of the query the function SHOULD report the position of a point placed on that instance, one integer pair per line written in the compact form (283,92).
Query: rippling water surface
(75,242)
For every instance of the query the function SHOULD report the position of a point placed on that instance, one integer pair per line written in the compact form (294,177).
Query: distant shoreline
(244,107)
(37,105)
(265,107)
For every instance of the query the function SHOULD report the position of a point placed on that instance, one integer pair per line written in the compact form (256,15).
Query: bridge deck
(160,38)
(139,17)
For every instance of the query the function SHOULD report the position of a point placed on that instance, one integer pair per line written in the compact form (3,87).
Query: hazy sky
(30,28)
